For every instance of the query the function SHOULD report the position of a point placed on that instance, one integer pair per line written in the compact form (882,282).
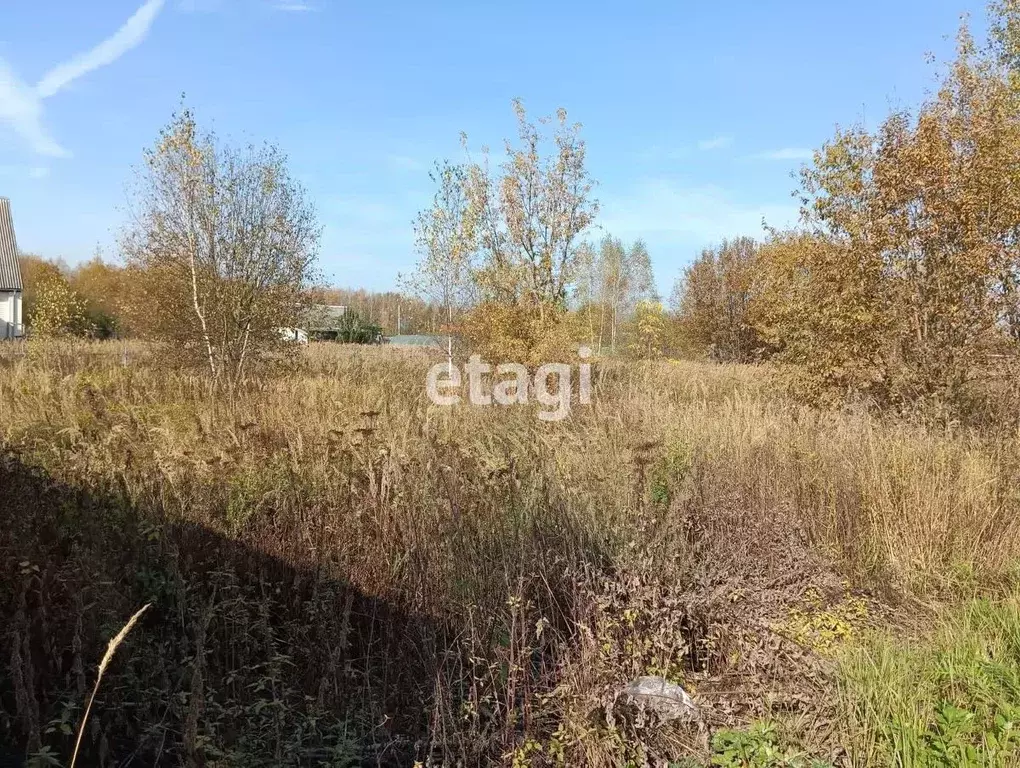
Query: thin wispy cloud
(20,171)
(718,142)
(294,6)
(670,213)
(787,153)
(21,106)
(201,6)
(21,110)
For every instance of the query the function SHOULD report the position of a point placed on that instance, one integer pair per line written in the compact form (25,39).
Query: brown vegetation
(335,564)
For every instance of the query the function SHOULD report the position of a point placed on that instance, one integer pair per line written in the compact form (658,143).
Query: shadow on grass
(243,659)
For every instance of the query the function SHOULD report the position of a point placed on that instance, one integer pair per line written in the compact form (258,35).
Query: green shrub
(757,747)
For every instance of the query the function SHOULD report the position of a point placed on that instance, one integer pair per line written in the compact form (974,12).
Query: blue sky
(695,114)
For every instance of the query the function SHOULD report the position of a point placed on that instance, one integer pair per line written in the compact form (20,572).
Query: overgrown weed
(327,552)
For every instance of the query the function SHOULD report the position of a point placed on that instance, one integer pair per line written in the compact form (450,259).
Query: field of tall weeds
(342,573)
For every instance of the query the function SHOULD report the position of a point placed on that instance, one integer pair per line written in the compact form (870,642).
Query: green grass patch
(951,698)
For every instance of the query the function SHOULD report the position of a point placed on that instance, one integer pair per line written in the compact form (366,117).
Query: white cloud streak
(129,36)
(21,110)
(21,107)
(719,142)
(669,213)
(294,6)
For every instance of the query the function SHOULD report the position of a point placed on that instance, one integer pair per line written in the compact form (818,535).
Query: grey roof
(10,272)
(324,317)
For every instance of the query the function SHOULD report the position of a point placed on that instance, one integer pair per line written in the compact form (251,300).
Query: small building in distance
(12,324)
(324,319)
(334,322)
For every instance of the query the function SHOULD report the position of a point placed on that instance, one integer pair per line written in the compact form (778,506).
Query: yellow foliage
(518,333)
(823,628)
(903,290)
(649,330)
(58,310)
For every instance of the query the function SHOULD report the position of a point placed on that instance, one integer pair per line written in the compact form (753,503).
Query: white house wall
(6,314)
(10,315)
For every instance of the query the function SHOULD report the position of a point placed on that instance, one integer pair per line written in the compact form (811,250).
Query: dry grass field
(342,573)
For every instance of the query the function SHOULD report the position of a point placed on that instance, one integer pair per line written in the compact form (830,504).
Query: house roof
(325,316)
(10,272)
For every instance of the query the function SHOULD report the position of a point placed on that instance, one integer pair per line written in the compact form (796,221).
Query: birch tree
(610,281)
(532,215)
(225,243)
(445,237)
(616,285)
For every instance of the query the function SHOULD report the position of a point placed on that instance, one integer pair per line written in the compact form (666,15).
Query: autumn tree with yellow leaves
(105,288)
(499,247)
(531,214)
(224,242)
(57,310)
(36,271)
(610,282)
(712,303)
(648,329)
(902,287)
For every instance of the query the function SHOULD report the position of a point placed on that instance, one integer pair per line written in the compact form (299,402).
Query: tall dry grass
(542,564)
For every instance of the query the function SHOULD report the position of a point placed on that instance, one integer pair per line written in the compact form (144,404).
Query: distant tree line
(395,313)
(103,299)
(87,300)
